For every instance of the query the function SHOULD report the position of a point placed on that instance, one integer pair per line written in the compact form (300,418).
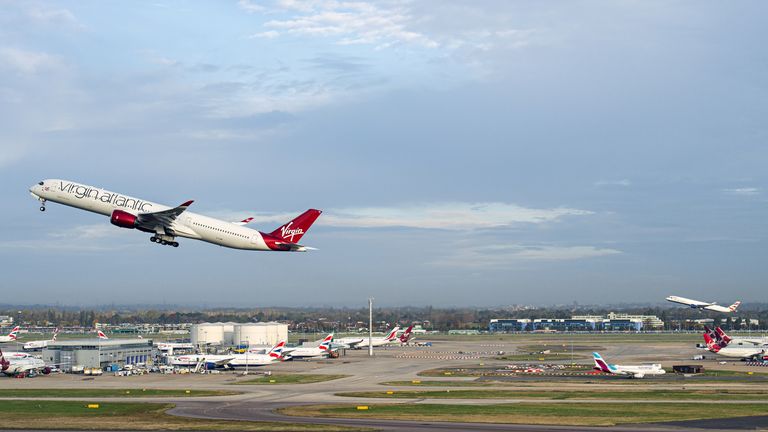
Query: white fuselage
(696,304)
(38,344)
(194,359)
(188,224)
(740,352)
(639,371)
(303,352)
(241,360)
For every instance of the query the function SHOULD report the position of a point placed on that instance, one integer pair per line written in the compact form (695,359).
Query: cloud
(499,256)
(250,7)
(271,34)
(83,238)
(446,216)
(745,191)
(350,23)
(622,182)
(27,62)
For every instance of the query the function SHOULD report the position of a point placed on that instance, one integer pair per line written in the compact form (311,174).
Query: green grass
(604,414)
(291,379)
(100,393)
(671,395)
(61,415)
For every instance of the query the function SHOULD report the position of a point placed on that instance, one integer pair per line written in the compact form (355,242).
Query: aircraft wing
(161,219)
(243,222)
(221,362)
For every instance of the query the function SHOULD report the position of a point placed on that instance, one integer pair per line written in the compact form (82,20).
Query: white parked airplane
(166,223)
(737,341)
(15,365)
(740,352)
(633,371)
(11,336)
(381,341)
(351,342)
(696,304)
(304,352)
(211,361)
(250,359)
(170,346)
(40,344)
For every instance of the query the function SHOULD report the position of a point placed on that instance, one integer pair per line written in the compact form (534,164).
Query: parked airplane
(724,340)
(211,361)
(166,223)
(381,341)
(633,371)
(40,344)
(250,359)
(351,342)
(11,336)
(740,352)
(696,304)
(407,335)
(22,365)
(304,352)
(170,346)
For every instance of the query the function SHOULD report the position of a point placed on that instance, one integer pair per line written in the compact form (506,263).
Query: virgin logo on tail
(714,347)
(287,233)
(295,229)
(406,336)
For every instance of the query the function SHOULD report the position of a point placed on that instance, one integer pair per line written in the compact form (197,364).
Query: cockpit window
(41,183)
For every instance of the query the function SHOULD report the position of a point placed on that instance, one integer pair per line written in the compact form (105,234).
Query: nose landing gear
(42,205)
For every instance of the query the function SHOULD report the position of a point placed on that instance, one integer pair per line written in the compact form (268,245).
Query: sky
(464,153)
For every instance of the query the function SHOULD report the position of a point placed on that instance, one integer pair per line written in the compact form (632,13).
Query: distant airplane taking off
(166,223)
(696,304)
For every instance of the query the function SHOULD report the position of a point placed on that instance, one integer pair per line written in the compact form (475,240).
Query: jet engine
(123,219)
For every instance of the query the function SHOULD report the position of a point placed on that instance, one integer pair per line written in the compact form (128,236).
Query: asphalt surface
(258,402)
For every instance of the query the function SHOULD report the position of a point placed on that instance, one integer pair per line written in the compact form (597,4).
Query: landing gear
(168,241)
(42,208)
(42,204)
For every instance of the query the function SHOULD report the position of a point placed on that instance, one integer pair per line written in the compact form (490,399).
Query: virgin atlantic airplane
(166,223)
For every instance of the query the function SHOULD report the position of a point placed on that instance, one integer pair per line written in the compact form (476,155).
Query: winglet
(187,204)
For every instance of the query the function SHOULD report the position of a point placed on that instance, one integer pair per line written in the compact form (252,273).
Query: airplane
(249,359)
(12,336)
(305,352)
(170,346)
(166,223)
(740,352)
(40,344)
(634,371)
(351,342)
(696,304)
(101,335)
(211,361)
(406,336)
(22,365)
(724,340)
(381,341)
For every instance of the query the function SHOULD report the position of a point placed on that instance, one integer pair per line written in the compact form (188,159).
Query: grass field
(58,415)
(671,395)
(604,414)
(291,379)
(99,393)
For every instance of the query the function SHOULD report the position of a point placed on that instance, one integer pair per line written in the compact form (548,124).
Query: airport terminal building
(97,353)
(611,322)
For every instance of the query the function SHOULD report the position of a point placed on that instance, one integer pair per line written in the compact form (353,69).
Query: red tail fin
(295,229)
(721,335)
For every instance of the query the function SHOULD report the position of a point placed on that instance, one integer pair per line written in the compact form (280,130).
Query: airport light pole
(370,327)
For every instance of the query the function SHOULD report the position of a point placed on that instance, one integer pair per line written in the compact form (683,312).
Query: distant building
(230,334)
(6,320)
(612,322)
(97,353)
